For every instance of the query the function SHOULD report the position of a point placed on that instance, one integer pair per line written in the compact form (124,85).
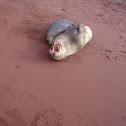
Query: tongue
(56,47)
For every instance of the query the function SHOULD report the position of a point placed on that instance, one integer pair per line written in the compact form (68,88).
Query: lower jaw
(55,58)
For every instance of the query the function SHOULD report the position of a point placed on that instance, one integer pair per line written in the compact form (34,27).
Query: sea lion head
(57,51)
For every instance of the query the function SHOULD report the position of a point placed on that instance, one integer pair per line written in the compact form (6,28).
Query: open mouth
(55,47)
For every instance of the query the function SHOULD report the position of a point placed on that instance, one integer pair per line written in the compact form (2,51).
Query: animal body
(66,38)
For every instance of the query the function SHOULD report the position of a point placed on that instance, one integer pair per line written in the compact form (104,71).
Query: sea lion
(58,27)
(68,40)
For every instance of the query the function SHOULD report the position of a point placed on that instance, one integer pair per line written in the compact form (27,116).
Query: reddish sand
(86,89)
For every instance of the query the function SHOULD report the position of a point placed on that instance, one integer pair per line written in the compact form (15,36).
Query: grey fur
(56,28)
(71,37)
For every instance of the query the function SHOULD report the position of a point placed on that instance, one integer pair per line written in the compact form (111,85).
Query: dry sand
(86,89)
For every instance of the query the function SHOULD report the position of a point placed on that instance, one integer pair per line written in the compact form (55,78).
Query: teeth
(56,43)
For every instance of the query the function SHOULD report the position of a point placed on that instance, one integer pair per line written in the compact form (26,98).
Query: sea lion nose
(53,54)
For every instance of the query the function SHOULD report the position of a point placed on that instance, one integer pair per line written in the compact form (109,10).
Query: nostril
(53,54)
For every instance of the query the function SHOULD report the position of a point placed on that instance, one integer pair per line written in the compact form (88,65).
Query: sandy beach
(85,89)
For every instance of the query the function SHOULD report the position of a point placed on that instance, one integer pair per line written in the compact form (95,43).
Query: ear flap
(81,29)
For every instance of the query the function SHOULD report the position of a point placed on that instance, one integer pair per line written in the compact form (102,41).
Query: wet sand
(86,89)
